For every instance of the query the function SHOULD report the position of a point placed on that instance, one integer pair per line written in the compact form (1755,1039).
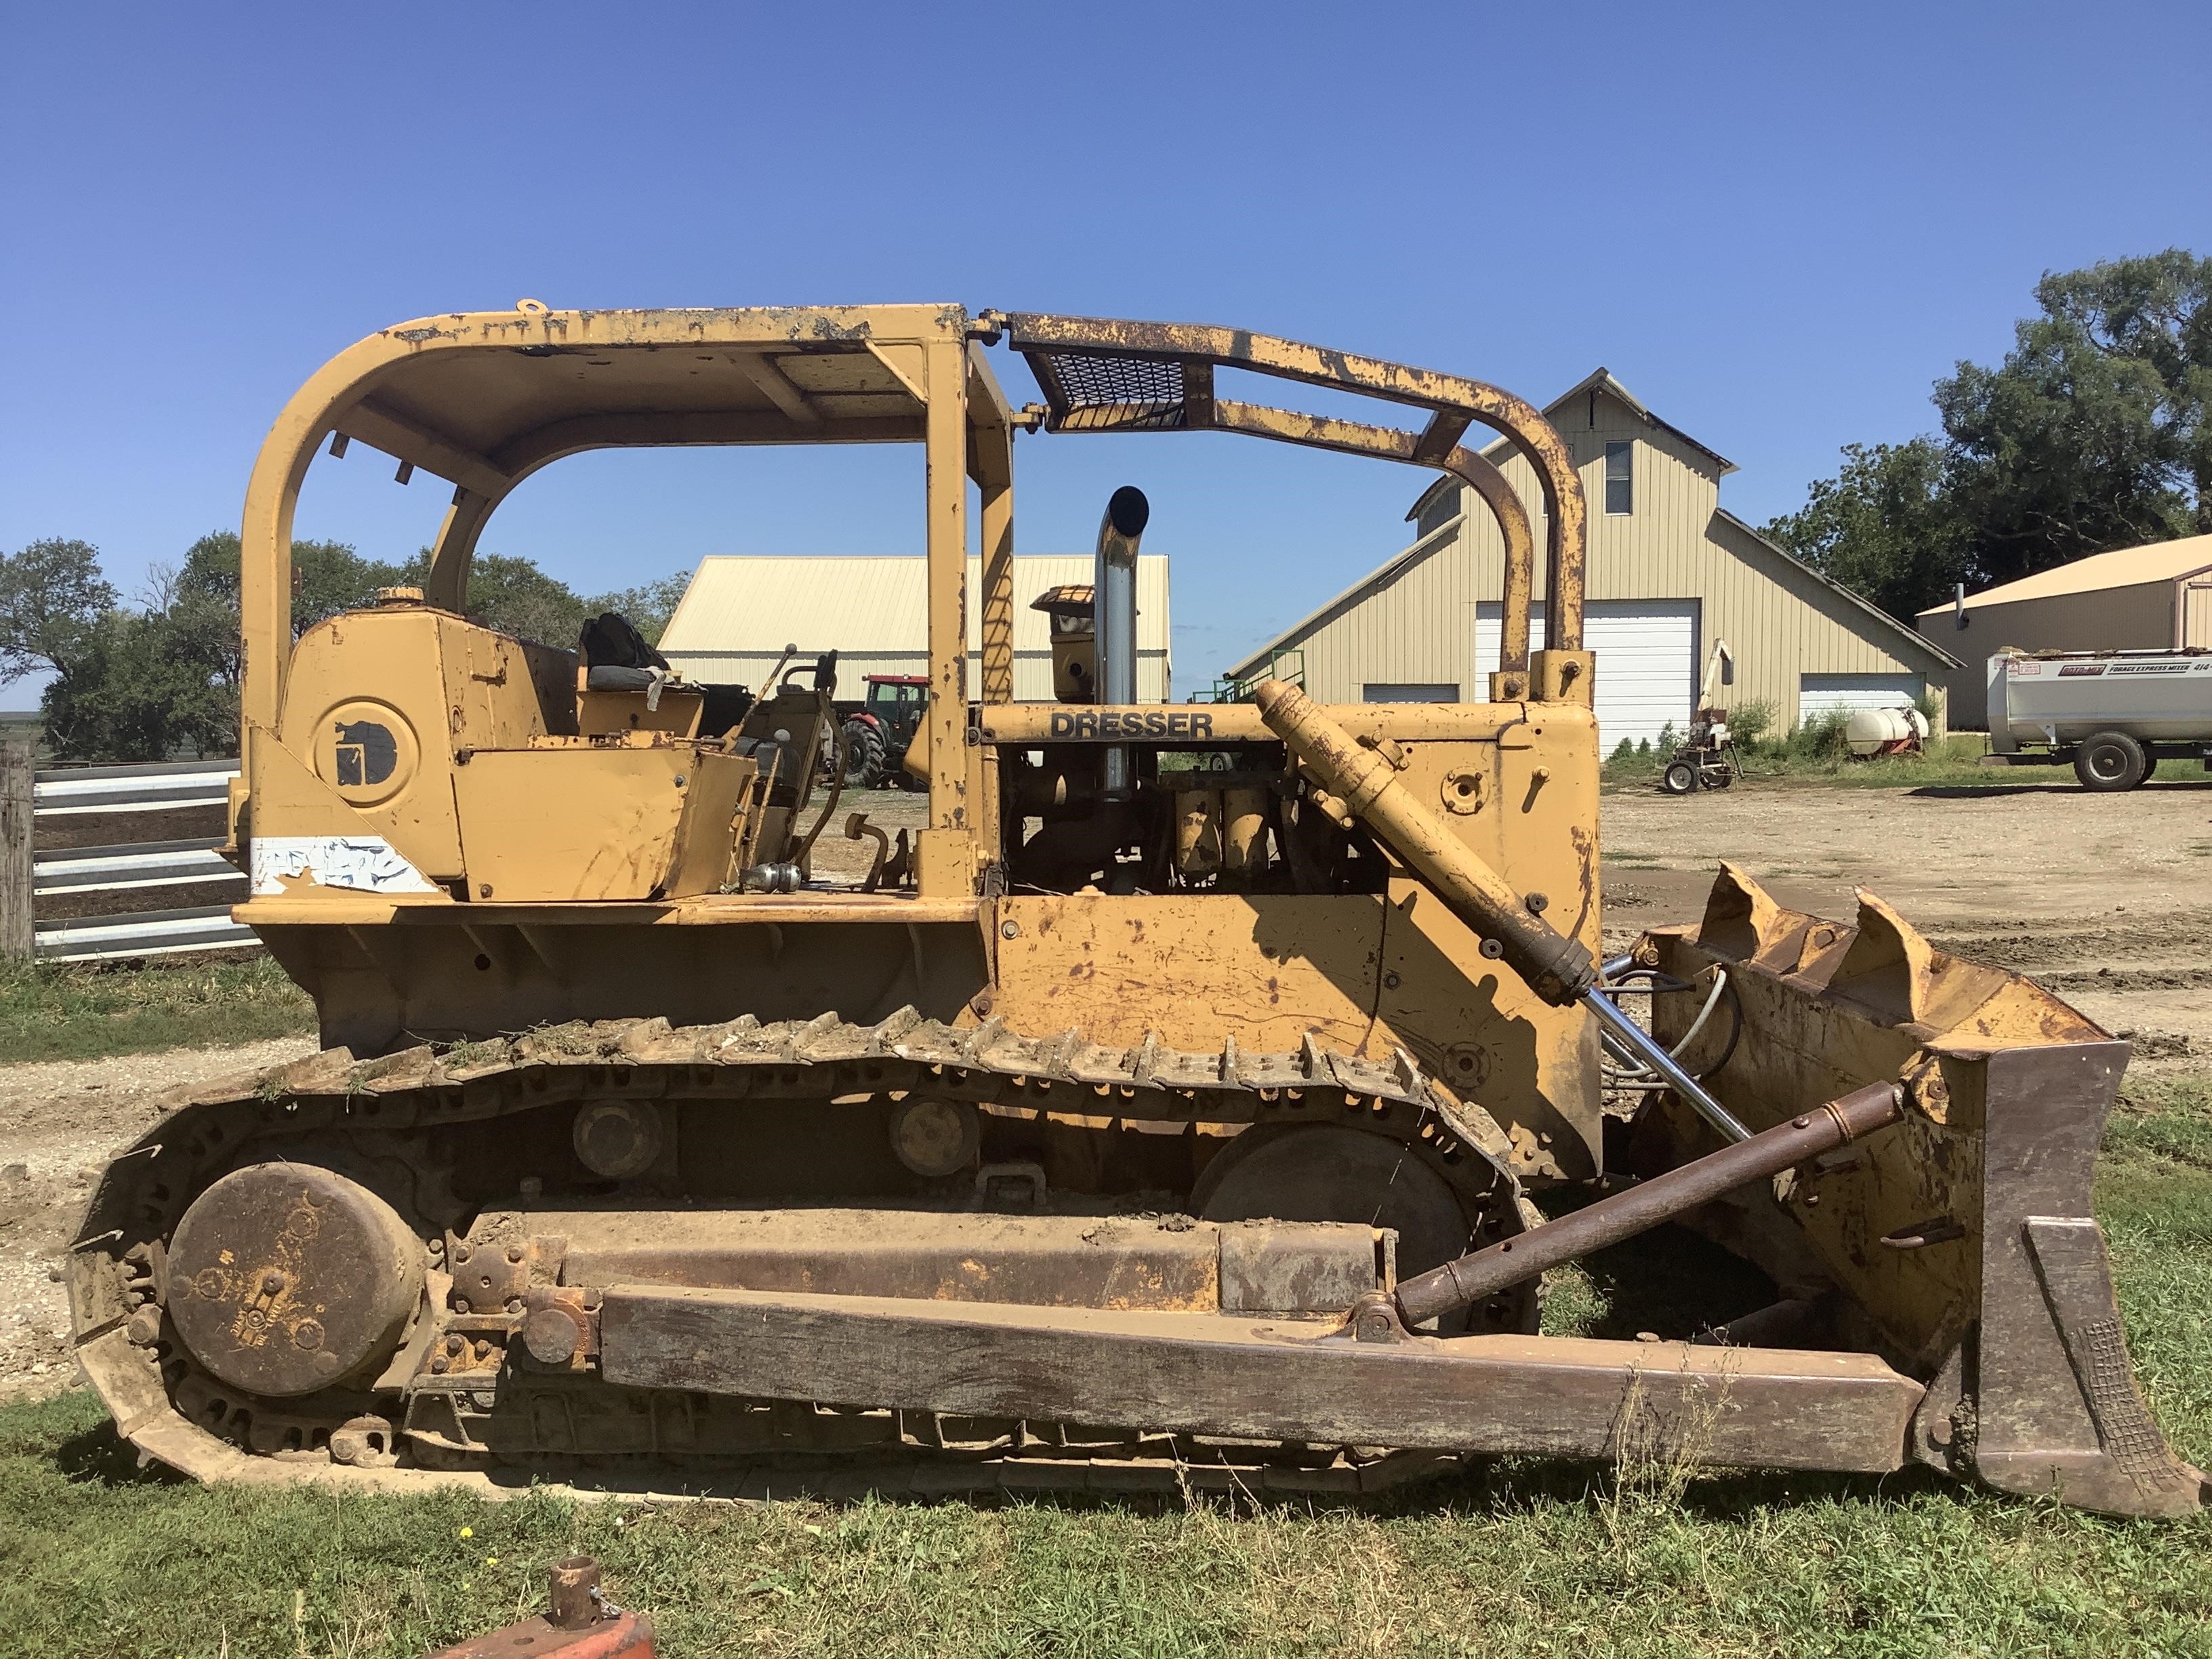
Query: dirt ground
(2106,900)
(2102,899)
(60,1122)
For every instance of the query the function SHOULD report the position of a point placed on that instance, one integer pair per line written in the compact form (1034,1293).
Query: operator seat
(616,656)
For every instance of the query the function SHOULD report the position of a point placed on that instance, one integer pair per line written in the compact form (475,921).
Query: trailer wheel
(1679,778)
(2110,762)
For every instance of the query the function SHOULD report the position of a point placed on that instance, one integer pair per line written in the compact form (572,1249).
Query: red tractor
(877,732)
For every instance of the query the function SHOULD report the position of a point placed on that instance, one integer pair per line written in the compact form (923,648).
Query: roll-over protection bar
(485,400)
(1100,375)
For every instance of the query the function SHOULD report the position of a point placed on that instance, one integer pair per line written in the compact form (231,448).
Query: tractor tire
(864,755)
(1679,778)
(2110,762)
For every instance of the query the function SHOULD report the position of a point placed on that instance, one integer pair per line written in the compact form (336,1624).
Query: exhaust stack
(1114,610)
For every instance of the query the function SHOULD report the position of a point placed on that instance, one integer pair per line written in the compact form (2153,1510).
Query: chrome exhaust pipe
(1114,616)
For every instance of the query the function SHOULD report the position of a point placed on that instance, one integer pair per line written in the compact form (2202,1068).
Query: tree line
(159,679)
(2090,435)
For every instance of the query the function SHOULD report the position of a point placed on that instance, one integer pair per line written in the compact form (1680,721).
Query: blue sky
(1778,224)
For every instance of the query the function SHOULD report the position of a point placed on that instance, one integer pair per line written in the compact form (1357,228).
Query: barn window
(1619,481)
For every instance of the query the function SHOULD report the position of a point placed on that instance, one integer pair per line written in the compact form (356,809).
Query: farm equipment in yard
(878,731)
(1707,758)
(2113,714)
(1181,1124)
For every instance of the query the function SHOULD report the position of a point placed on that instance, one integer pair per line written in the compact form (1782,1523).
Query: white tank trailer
(1871,732)
(2115,714)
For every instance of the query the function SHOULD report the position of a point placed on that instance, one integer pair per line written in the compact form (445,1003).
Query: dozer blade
(1960,1240)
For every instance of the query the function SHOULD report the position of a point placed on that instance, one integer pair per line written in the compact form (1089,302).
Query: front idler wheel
(285,1279)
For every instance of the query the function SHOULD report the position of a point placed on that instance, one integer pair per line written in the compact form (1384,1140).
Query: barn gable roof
(1600,379)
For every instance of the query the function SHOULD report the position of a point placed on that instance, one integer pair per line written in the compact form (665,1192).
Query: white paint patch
(364,863)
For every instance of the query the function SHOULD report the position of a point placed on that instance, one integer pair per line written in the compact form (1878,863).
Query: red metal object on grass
(579,1623)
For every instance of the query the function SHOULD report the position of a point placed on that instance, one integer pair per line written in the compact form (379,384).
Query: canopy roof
(2156,561)
(429,393)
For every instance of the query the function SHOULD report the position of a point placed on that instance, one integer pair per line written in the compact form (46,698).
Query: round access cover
(365,750)
(286,1278)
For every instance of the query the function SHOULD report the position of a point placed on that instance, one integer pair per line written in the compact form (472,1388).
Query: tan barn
(1671,572)
(741,611)
(2155,597)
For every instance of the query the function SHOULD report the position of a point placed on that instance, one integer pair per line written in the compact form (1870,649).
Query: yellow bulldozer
(1179,1111)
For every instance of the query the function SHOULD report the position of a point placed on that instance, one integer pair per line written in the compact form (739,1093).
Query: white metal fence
(72,790)
(130,866)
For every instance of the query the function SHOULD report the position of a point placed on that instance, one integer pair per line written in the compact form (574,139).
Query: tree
(53,602)
(163,679)
(651,606)
(51,599)
(2156,310)
(1883,527)
(515,596)
(2071,446)
(2093,434)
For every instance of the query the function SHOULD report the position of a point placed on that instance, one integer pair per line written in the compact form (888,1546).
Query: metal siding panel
(2197,617)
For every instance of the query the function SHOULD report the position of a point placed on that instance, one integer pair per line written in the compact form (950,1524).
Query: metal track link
(744,1057)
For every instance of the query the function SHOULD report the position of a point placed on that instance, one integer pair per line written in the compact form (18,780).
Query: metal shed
(2153,598)
(740,611)
(1671,571)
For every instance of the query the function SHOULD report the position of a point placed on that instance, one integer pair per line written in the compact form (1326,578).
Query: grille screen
(1110,394)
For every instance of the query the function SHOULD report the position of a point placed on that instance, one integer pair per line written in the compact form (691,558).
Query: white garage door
(1823,694)
(1647,661)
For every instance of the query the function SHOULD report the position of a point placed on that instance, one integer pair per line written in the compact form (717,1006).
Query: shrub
(1751,722)
(1819,739)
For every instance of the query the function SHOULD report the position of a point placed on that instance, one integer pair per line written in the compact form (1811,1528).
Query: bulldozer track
(390,1114)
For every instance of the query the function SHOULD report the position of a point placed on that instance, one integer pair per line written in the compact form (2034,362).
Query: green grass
(1515,1559)
(69,1012)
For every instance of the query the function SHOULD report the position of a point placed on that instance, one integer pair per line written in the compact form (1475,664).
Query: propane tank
(1872,732)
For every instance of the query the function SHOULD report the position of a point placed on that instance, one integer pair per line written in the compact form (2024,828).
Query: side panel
(2165,696)
(546,825)
(1269,970)
(446,973)
(373,681)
